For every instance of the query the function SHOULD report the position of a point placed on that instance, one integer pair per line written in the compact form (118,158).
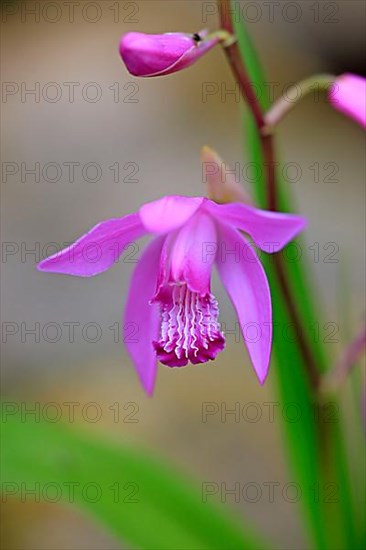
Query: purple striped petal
(270,231)
(97,250)
(142,318)
(246,283)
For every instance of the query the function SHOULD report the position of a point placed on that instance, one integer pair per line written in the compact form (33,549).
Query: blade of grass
(304,441)
(141,500)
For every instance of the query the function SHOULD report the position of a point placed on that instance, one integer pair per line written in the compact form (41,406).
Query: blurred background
(99,143)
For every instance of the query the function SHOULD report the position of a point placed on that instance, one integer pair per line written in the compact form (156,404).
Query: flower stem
(225,38)
(268,153)
(316,83)
(234,58)
(334,378)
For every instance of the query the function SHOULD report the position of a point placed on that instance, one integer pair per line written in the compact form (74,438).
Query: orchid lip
(190,331)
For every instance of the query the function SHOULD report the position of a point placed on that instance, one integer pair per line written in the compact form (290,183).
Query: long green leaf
(304,438)
(142,500)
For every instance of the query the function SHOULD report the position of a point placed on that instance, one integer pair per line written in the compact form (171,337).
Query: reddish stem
(347,361)
(241,76)
(268,152)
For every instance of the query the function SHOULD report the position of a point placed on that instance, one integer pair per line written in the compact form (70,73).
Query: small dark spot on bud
(196,37)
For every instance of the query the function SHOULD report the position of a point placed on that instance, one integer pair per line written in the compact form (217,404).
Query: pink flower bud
(161,54)
(348,95)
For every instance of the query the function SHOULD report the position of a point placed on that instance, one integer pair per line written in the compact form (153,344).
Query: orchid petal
(270,231)
(194,252)
(142,318)
(97,250)
(168,213)
(246,283)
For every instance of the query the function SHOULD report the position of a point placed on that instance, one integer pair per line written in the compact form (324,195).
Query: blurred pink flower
(170,303)
(348,95)
(162,54)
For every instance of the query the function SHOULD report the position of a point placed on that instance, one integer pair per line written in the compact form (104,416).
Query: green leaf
(316,450)
(140,499)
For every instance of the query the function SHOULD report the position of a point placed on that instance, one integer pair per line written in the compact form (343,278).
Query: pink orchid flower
(170,299)
(161,54)
(348,95)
